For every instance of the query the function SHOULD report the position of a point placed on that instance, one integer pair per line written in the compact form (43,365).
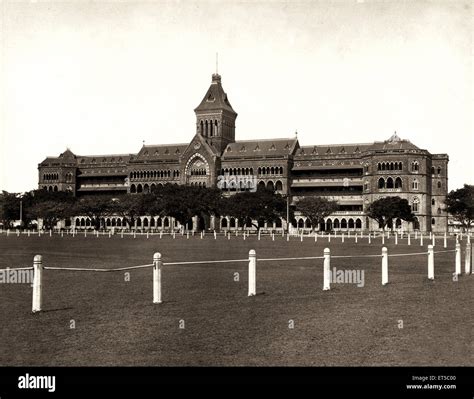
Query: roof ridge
(164,145)
(277,139)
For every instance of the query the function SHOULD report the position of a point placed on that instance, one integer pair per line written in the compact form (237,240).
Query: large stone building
(353,174)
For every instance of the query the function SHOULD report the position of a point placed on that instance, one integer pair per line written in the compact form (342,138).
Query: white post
(273,236)
(28,233)
(146,235)
(445,240)
(409,239)
(301,236)
(384,266)
(369,239)
(258,235)
(316,237)
(201,235)
(327,270)
(215,235)
(431,234)
(37,283)
(396,238)
(85,233)
(467,264)
(342,237)
(157,263)
(161,234)
(433,240)
(416,234)
(421,239)
(430,262)
(458,259)
(383,238)
(244,235)
(121,234)
(187,235)
(287,236)
(356,238)
(329,237)
(252,272)
(50,233)
(134,234)
(8,232)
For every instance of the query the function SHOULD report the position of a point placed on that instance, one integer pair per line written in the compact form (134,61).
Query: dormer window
(145,153)
(167,151)
(272,148)
(243,149)
(328,151)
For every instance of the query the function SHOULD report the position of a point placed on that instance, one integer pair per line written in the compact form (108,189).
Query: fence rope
(355,256)
(413,254)
(17,268)
(300,258)
(83,269)
(205,261)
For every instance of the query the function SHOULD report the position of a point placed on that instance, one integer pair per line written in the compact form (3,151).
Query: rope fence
(356,237)
(158,263)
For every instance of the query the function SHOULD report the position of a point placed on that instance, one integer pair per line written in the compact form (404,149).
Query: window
(389,182)
(439,184)
(432,170)
(415,205)
(433,202)
(414,166)
(381,183)
(439,170)
(414,185)
(398,182)
(433,221)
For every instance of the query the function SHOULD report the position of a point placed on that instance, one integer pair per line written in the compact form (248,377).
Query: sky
(102,77)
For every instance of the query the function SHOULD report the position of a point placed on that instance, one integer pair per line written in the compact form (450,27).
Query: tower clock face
(197,145)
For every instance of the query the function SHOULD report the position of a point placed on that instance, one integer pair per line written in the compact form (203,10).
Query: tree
(95,207)
(47,205)
(51,211)
(316,208)
(262,206)
(460,204)
(9,208)
(384,210)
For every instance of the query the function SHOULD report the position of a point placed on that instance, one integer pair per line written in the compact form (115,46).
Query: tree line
(185,202)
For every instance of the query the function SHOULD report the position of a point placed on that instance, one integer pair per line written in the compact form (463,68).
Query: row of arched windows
(51,188)
(237,171)
(414,166)
(50,176)
(209,127)
(120,222)
(145,188)
(270,170)
(389,166)
(198,184)
(390,183)
(270,185)
(154,174)
(198,172)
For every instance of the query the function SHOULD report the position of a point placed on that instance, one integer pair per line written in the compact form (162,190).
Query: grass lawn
(116,322)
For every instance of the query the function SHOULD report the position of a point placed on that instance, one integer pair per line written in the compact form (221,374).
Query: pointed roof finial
(296,134)
(143,141)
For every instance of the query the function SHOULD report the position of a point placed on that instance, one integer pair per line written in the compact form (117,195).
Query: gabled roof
(167,152)
(266,147)
(215,98)
(97,160)
(332,149)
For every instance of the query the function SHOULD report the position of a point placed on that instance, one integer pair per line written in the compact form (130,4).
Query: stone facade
(353,174)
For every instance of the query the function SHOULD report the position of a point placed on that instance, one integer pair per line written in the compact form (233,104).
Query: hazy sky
(101,77)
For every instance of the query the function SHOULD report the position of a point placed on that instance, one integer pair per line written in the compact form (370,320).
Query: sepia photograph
(239,185)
